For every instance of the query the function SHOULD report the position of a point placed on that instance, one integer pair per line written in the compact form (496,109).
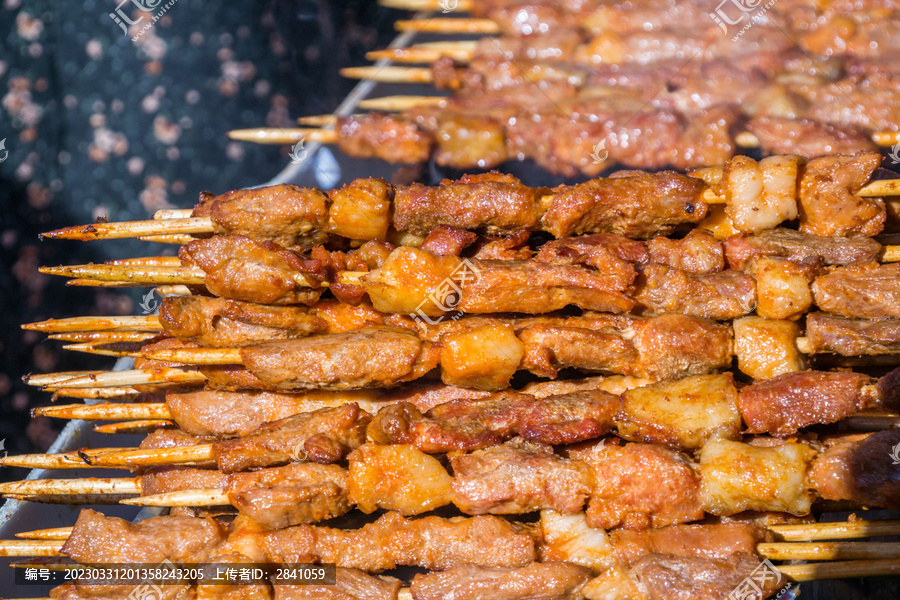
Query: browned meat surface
(341,316)
(445,240)
(230,414)
(637,207)
(430,542)
(324,436)
(511,247)
(551,348)
(681,414)
(828,204)
(726,295)
(859,468)
(687,578)
(218,322)
(393,138)
(853,337)
(491,202)
(291,495)
(288,215)
(518,477)
(845,102)
(466,141)
(361,209)
(100,539)
(798,247)
(621,496)
(807,138)
(611,254)
(349,584)
(698,252)
(537,581)
(242,268)
(678,345)
(863,292)
(232,378)
(783,405)
(354,359)
(474,424)
(713,541)
(782,287)
(172,479)
(171,438)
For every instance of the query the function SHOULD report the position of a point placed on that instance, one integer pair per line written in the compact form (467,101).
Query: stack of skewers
(582,87)
(523,392)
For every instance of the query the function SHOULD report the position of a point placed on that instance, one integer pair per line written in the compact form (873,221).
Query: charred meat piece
(361,210)
(491,202)
(828,204)
(218,322)
(859,468)
(603,251)
(808,138)
(518,477)
(429,542)
(288,215)
(681,414)
(853,337)
(725,295)
(637,206)
(697,253)
(863,292)
(96,538)
(241,268)
(800,247)
(537,581)
(784,404)
(621,496)
(712,541)
(371,357)
(174,478)
(290,495)
(393,138)
(445,240)
(323,436)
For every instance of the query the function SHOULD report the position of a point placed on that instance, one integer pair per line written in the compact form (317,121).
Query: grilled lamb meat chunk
(784,404)
(429,542)
(323,435)
(669,577)
(710,541)
(736,477)
(218,322)
(767,348)
(393,138)
(782,287)
(288,215)
(800,247)
(603,251)
(100,539)
(241,268)
(853,337)
(828,204)
(863,292)
(354,359)
(174,478)
(725,295)
(697,253)
(171,438)
(491,202)
(681,414)
(290,495)
(349,584)
(808,138)
(638,206)
(537,581)
(620,495)
(859,468)
(518,477)
(361,210)
(445,240)
(232,378)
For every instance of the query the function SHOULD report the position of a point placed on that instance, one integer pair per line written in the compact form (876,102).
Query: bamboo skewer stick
(103,337)
(67,460)
(841,570)
(835,531)
(448,25)
(173,213)
(31,548)
(118,379)
(821,550)
(96,393)
(401,103)
(101,349)
(200,453)
(387,75)
(429,52)
(106,412)
(81,324)
(426,5)
(84,485)
(278,135)
(150,275)
(138,426)
(56,533)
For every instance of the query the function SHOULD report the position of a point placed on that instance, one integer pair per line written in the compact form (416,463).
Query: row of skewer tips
(313,406)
